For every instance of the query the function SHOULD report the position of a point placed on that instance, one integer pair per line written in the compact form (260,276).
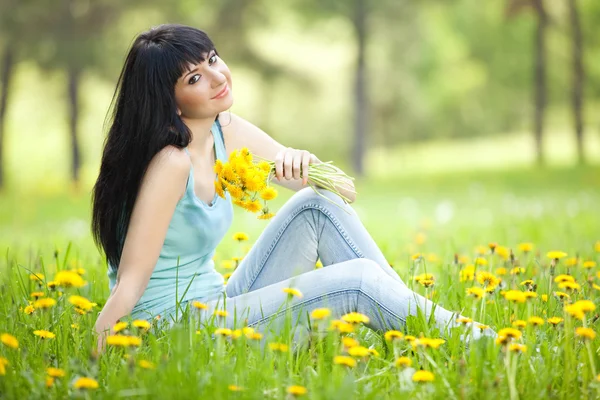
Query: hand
(293,164)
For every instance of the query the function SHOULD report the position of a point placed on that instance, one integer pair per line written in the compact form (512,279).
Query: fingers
(296,165)
(287,164)
(279,164)
(305,160)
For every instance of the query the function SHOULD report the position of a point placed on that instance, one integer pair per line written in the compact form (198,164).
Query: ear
(178,112)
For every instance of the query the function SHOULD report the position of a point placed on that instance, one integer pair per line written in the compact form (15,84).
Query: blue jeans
(355,274)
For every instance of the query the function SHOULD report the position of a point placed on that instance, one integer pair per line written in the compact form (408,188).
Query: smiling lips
(222,93)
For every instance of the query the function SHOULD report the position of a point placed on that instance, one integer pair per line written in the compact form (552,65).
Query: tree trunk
(8,61)
(73,82)
(540,79)
(578,76)
(360,94)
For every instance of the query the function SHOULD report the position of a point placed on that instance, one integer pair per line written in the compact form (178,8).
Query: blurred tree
(578,76)
(514,8)
(357,13)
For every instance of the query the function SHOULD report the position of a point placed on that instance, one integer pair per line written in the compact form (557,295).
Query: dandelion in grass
(220,313)
(235,388)
(403,362)
(69,279)
(500,271)
(536,321)
(423,376)
(515,296)
(37,277)
(30,309)
(476,292)
(517,271)
(292,292)
(374,352)
(519,324)
(52,285)
(240,236)
(517,348)
(464,320)
(279,347)
(410,338)
(55,372)
(503,252)
(569,286)
(530,295)
(393,335)
(344,360)
(341,326)
(349,342)
(467,273)
(427,343)
(355,318)
(81,302)
(424,277)
(44,303)
(589,264)
(44,334)
(49,382)
(487,279)
(145,364)
(226,332)
(556,255)
(141,324)
(9,340)
(320,313)
(37,295)
(597,246)
(120,326)
(563,278)
(529,284)
(525,247)
(555,320)
(358,351)
(3,363)
(505,335)
(585,333)
(85,383)
(199,305)
(482,327)
(296,390)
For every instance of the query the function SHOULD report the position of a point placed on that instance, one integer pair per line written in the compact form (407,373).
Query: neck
(202,141)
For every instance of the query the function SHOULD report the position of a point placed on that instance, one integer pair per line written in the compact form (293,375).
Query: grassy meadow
(460,227)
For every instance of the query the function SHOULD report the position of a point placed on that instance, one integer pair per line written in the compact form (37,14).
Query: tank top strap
(219,141)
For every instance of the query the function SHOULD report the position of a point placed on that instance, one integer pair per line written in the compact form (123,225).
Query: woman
(158,219)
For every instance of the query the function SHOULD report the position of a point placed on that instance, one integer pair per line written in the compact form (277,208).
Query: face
(204,90)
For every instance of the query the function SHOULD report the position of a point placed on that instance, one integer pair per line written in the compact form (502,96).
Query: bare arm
(161,188)
(240,133)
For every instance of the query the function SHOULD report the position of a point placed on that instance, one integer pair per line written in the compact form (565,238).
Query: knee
(358,272)
(308,195)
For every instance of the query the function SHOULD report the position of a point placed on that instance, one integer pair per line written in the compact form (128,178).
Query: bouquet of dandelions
(248,181)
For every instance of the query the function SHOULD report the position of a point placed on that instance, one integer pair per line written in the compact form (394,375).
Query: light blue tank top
(186,257)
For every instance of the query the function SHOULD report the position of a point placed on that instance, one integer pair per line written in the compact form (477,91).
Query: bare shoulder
(169,168)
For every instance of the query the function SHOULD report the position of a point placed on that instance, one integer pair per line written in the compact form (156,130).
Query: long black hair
(144,120)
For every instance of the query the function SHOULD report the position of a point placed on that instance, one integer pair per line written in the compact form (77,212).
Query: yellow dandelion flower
(350,342)
(482,327)
(9,340)
(572,286)
(344,360)
(252,205)
(199,305)
(38,277)
(464,320)
(404,362)
(476,292)
(44,334)
(487,279)
(556,255)
(221,313)
(117,340)
(503,252)
(320,313)
(424,277)
(358,351)
(37,295)
(571,262)
(55,372)
(342,326)
(268,193)
(3,363)
(44,303)
(49,381)
(480,261)
(223,332)
(517,348)
(240,236)
(355,318)
(292,292)
(119,326)
(585,305)
(564,278)
(427,343)
(519,323)
(85,383)
(423,376)
(145,364)
(517,271)
(81,302)
(589,264)
(530,295)
(393,335)
(280,347)
(536,321)
(544,297)
(555,320)
(69,279)
(574,311)
(516,296)
(525,247)
(597,246)
(219,189)
(52,285)
(561,295)
(235,388)
(585,333)
(141,324)
(267,215)
(467,273)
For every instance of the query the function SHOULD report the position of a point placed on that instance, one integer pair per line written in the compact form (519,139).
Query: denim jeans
(355,274)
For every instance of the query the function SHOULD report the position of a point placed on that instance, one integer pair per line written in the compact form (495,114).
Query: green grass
(436,213)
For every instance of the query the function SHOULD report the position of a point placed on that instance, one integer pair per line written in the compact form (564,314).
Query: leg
(307,227)
(354,285)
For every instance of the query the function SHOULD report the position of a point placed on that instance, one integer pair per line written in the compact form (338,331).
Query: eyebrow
(208,55)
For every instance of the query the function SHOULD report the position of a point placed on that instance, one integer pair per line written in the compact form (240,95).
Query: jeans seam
(287,223)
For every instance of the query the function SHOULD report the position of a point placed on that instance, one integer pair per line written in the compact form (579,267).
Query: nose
(217,78)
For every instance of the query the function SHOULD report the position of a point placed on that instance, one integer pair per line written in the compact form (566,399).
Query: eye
(212,59)
(194,79)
